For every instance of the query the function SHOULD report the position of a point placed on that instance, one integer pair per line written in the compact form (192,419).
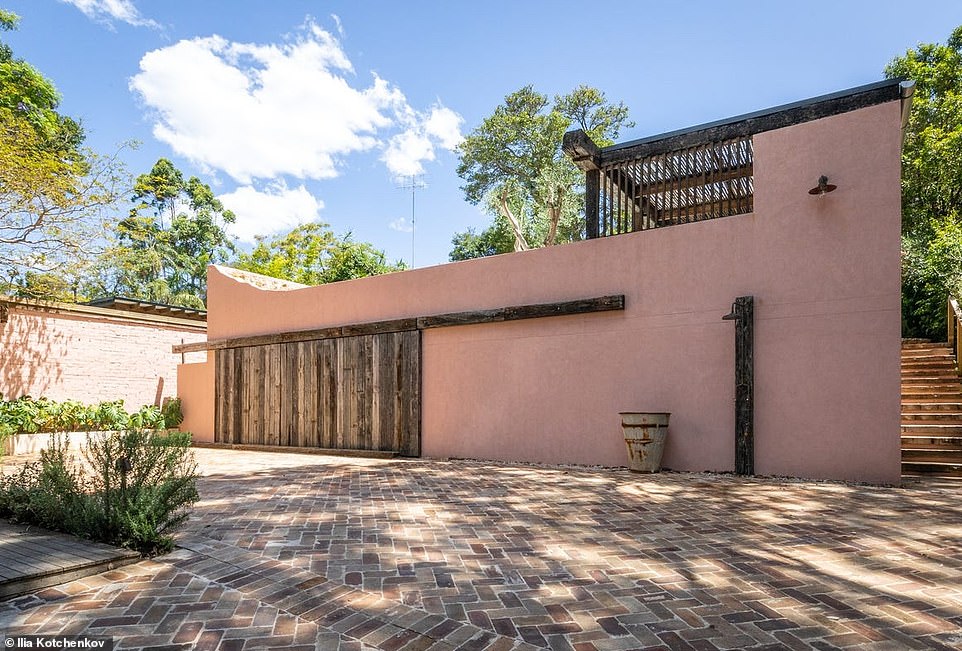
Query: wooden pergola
(704,172)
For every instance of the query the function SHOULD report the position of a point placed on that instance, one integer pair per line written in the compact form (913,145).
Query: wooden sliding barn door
(346,393)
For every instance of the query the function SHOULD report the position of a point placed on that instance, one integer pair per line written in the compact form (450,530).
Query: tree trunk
(554,216)
(520,243)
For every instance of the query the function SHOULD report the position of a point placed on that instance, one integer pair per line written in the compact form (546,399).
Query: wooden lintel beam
(583,306)
(513,313)
(581,149)
(371,328)
(752,123)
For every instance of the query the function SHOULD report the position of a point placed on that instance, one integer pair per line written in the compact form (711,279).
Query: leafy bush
(173,414)
(147,417)
(47,493)
(29,415)
(111,416)
(138,486)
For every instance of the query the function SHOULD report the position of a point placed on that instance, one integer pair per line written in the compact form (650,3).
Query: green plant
(139,487)
(48,492)
(6,431)
(147,417)
(111,416)
(173,414)
(22,414)
(29,415)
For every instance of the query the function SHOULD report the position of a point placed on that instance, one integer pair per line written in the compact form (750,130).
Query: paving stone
(345,554)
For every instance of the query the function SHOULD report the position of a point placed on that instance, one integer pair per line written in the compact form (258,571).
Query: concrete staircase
(931,411)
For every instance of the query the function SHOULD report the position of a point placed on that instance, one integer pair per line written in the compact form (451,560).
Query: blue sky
(299,110)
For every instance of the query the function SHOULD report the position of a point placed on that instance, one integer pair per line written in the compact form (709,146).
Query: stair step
(913,418)
(912,392)
(930,367)
(931,410)
(920,406)
(951,443)
(928,429)
(929,378)
(932,469)
(949,457)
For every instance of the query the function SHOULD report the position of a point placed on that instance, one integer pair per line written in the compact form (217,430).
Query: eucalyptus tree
(160,251)
(55,195)
(513,165)
(311,254)
(931,184)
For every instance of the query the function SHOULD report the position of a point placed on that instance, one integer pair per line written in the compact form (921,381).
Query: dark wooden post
(743,314)
(584,153)
(592,201)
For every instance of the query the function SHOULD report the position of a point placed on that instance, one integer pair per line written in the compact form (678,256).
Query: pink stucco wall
(195,383)
(824,272)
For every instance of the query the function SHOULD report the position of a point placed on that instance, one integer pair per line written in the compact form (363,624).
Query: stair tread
(931,406)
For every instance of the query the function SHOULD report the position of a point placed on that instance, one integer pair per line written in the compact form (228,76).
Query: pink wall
(195,383)
(824,272)
(90,355)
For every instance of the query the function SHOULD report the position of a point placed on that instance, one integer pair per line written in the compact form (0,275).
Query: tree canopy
(311,254)
(160,252)
(931,184)
(53,191)
(512,164)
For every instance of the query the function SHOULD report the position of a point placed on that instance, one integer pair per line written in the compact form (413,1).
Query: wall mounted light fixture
(823,187)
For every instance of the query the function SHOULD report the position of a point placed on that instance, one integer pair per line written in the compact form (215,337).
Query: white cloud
(263,111)
(445,125)
(275,209)
(338,25)
(407,150)
(401,225)
(107,10)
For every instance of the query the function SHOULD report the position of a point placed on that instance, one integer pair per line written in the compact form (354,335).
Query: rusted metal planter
(645,434)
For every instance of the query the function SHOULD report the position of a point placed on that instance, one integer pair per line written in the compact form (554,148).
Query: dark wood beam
(581,149)
(583,306)
(513,313)
(592,202)
(743,314)
(628,186)
(758,122)
(695,180)
(700,211)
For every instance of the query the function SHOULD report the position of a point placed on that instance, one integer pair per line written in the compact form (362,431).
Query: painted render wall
(824,272)
(91,355)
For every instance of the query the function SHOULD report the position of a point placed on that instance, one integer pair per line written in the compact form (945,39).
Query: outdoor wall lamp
(823,187)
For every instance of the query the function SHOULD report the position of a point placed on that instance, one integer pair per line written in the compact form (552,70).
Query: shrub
(29,415)
(147,417)
(111,416)
(139,487)
(173,414)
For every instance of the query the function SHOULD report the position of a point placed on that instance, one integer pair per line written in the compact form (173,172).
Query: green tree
(512,163)
(493,240)
(161,250)
(311,254)
(54,193)
(931,184)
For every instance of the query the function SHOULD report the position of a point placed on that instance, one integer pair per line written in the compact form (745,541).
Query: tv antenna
(413,183)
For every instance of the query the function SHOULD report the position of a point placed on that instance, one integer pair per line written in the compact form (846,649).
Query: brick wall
(90,355)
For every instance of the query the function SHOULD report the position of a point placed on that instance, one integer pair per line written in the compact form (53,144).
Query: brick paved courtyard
(301,551)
